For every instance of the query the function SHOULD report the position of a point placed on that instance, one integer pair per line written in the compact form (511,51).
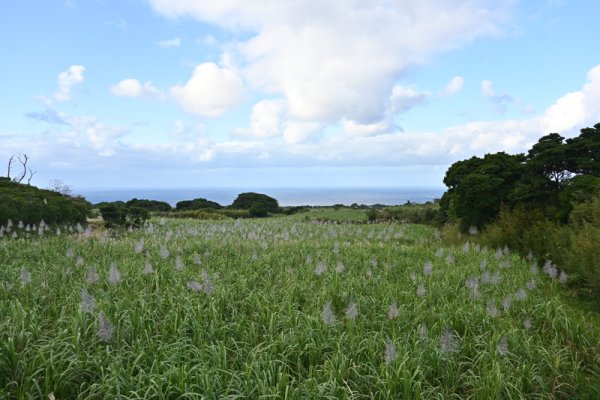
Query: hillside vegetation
(545,202)
(29,205)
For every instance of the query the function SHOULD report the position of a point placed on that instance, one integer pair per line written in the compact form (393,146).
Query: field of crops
(280,308)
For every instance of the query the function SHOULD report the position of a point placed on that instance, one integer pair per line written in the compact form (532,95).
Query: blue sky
(275,93)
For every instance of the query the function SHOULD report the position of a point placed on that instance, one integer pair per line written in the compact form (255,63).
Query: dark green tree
(583,152)
(478,187)
(245,201)
(150,205)
(197,204)
(258,210)
(136,216)
(113,214)
(548,157)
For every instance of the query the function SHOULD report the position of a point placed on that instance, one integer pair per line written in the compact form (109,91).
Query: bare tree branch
(24,163)
(10,161)
(31,174)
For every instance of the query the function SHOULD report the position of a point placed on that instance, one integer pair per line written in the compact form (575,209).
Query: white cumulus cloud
(266,118)
(210,91)
(66,80)
(337,59)
(575,109)
(134,88)
(454,86)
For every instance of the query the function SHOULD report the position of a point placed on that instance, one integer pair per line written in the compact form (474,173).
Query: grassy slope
(342,214)
(261,332)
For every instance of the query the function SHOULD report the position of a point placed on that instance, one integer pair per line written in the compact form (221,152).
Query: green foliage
(573,247)
(258,210)
(584,152)
(372,215)
(329,214)
(136,216)
(193,214)
(546,202)
(412,213)
(113,214)
(548,157)
(553,176)
(149,205)
(245,201)
(224,309)
(31,205)
(118,214)
(206,214)
(478,187)
(197,204)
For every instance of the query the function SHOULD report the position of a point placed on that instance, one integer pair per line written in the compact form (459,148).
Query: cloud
(454,86)
(175,42)
(66,80)
(296,143)
(48,115)
(338,60)
(577,108)
(87,131)
(403,99)
(266,120)
(210,91)
(499,102)
(134,88)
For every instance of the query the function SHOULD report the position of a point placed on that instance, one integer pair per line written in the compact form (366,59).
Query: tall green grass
(284,309)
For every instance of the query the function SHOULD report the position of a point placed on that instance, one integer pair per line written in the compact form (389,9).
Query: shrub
(258,210)
(149,205)
(118,214)
(245,201)
(113,214)
(30,205)
(197,204)
(136,216)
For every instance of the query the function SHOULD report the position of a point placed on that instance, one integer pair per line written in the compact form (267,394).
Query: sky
(287,93)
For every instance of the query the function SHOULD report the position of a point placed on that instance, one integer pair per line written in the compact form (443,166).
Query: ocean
(285,196)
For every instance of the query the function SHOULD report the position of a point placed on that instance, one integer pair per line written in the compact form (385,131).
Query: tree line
(136,211)
(550,178)
(544,203)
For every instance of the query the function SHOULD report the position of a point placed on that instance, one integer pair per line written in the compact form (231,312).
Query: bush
(573,247)
(30,205)
(149,205)
(258,210)
(137,216)
(197,204)
(192,214)
(245,201)
(409,213)
(113,214)
(118,214)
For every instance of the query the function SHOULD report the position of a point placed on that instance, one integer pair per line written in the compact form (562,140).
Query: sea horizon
(287,197)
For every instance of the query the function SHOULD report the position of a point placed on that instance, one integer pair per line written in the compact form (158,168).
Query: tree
(58,186)
(478,187)
(197,204)
(258,210)
(548,157)
(149,205)
(30,205)
(113,214)
(584,152)
(136,216)
(245,201)
(23,159)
